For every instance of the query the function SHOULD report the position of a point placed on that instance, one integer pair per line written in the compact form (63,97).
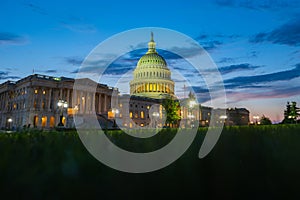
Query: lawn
(248,161)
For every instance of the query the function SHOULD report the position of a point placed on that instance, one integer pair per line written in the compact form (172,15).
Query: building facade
(32,101)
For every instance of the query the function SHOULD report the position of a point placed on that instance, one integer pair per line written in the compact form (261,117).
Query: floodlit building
(45,102)
(152,77)
(33,101)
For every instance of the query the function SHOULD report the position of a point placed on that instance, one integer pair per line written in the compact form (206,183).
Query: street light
(61,105)
(9,122)
(256,117)
(191,117)
(223,117)
(115,112)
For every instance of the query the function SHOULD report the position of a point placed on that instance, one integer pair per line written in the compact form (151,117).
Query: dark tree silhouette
(291,113)
(265,120)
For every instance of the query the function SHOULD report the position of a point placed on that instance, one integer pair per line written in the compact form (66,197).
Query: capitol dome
(152,77)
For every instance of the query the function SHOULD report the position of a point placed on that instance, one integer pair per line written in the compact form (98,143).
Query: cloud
(35,8)
(4,75)
(264,93)
(81,27)
(73,60)
(226,60)
(212,41)
(238,67)
(10,38)
(287,34)
(211,45)
(250,81)
(49,71)
(259,5)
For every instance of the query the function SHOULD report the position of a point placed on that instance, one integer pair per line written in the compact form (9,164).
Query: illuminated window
(130,114)
(121,105)
(35,91)
(136,115)
(148,107)
(15,106)
(44,92)
(44,121)
(43,104)
(142,114)
(34,104)
(142,125)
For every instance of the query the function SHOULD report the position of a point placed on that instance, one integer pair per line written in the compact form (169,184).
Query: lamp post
(256,117)
(223,117)
(9,123)
(155,117)
(61,105)
(191,115)
(115,112)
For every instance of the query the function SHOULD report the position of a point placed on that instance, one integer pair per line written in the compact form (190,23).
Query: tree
(291,113)
(265,120)
(171,107)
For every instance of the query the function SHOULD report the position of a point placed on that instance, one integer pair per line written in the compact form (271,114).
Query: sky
(255,44)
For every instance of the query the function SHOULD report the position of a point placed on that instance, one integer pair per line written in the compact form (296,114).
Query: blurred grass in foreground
(248,161)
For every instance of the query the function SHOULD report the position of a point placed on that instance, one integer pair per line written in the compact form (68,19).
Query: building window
(142,115)
(44,92)
(35,91)
(44,121)
(34,104)
(136,115)
(130,114)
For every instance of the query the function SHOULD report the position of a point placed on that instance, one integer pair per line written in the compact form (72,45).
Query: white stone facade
(32,101)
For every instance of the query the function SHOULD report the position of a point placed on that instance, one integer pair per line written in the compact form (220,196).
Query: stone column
(105,103)
(68,97)
(93,102)
(99,103)
(60,93)
(49,99)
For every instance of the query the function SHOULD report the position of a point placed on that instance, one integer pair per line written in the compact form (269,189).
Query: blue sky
(255,44)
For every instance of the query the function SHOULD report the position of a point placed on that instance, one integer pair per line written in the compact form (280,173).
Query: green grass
(248,161)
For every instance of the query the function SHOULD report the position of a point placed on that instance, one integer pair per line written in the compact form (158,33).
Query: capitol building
(152,77)
(42,101)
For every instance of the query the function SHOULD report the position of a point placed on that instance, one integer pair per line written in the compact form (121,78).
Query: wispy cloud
(73,60)
(35,8)
(237,68)
(252,81)
(287,34)
(270,92)
(11,39)
(4,75)
(72,23)
(213,41)
(259,5)
(81,27)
